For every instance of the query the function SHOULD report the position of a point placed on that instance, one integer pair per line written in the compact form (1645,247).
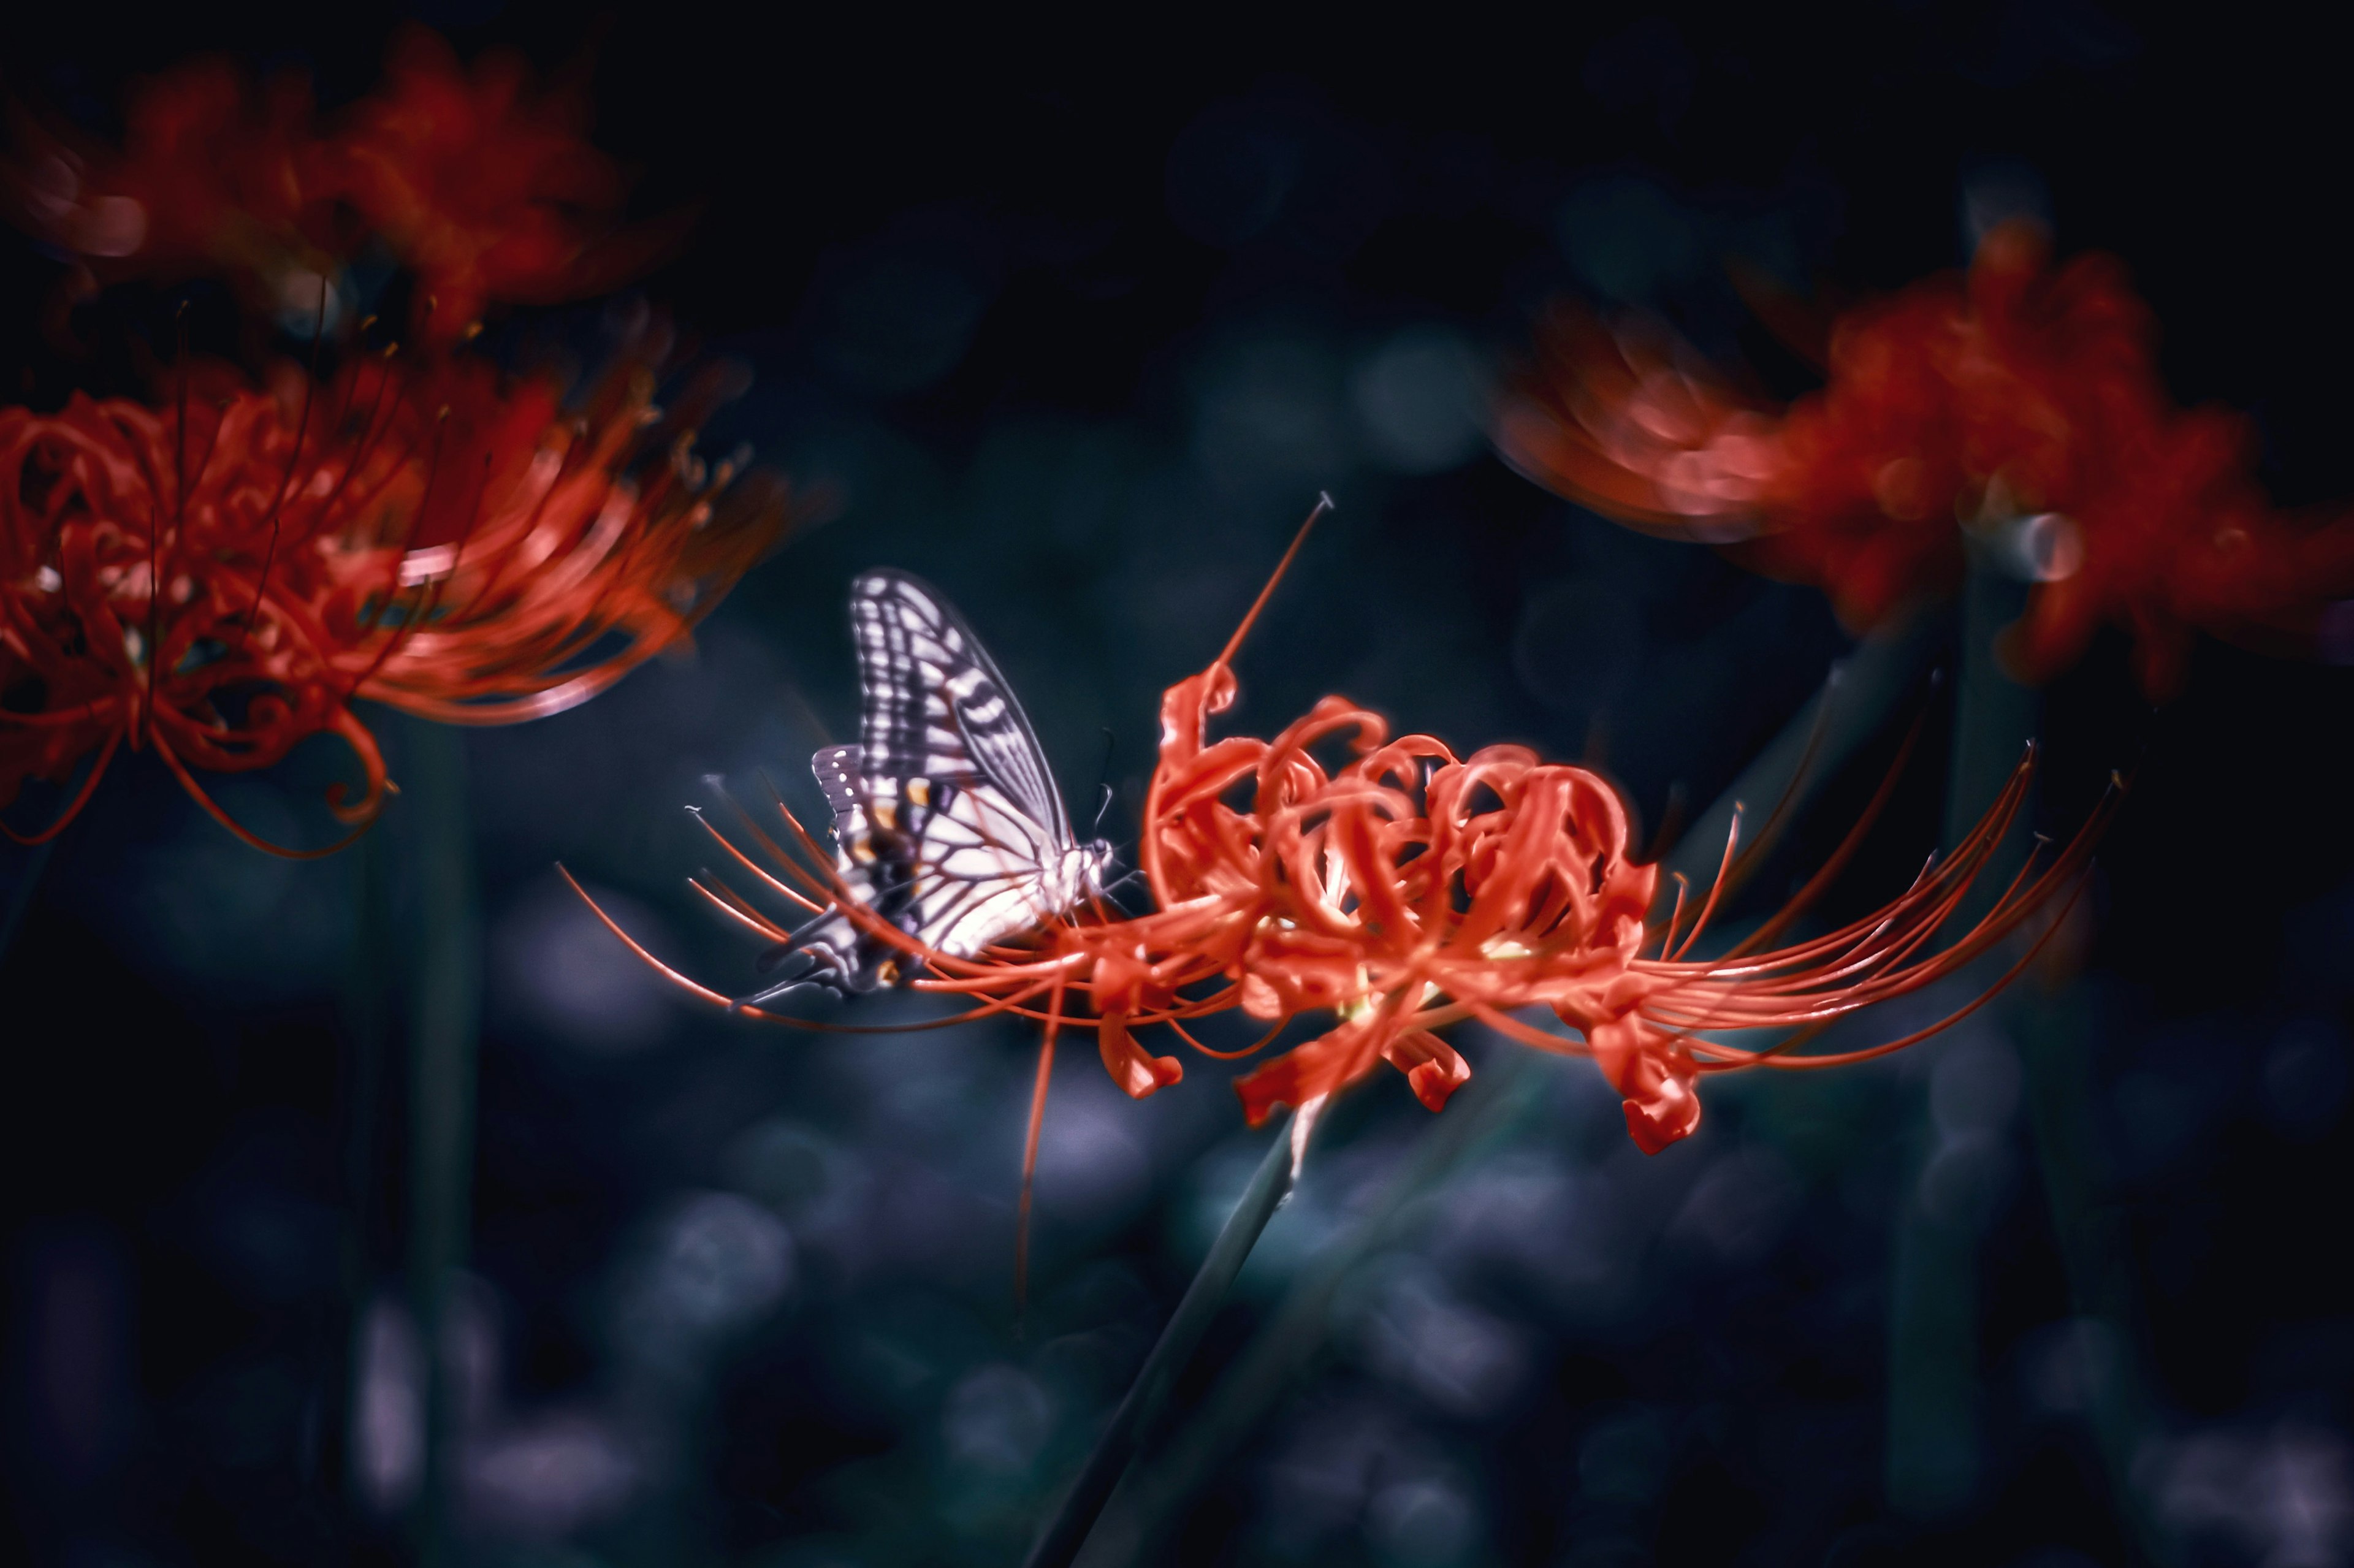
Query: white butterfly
(946,818)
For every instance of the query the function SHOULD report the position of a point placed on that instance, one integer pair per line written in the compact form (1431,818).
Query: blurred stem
(1995,718)
(443,1020)
(1933,1376)
(1293,1334)
(2057,1030)
(1932,1454)
(359,1092)
(1853,705)
(1271,1185)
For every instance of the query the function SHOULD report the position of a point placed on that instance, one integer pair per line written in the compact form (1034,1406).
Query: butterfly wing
(937,707)
(946,815)
(839,769)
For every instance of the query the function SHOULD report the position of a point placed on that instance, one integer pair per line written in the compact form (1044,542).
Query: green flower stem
(1934,1345)
(359,1092)
(1290,1341)
(1932,1455)
(1852,707)
(444,1018)
(1995,720)
(1935,1380)
(1133,1420)
(2056,1032)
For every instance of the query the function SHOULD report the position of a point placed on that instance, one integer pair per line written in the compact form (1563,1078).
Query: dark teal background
(1075,319)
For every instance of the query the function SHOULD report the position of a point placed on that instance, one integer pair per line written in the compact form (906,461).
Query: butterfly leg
(821,980)
(821,967)
(816,975)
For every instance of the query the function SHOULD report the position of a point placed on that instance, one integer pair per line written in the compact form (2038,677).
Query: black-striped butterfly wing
(936,706)
(946,815)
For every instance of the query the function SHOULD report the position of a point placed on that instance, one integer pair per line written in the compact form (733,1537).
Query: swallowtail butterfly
(946,818)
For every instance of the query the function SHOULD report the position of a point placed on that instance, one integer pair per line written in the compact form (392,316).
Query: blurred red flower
(1407,889)
(484,187)
(2018,401)
(444,540)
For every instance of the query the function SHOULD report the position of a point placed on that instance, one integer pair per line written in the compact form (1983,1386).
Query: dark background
(1075,319)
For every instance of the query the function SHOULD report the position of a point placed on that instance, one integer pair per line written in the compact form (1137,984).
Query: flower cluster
(2021,401)
(482,187)
(1407,889)
(220,576)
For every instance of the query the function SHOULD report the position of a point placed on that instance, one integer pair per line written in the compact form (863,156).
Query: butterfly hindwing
(838,771)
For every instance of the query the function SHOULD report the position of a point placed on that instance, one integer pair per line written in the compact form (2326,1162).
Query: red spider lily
(2015,393)
(1409,889)
(485,189)
(442,540)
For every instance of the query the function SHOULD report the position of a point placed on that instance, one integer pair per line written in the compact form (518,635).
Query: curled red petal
(1138,1073)
(1433,1068)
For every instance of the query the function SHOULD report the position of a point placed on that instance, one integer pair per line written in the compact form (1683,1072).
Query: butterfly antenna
(1323,505)
(1108,896)
(1103,782)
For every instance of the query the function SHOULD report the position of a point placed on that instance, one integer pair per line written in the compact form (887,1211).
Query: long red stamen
(293,466)
(1030,1152)
(740,858)
(1716,888)
(81,797)
(721,897)
(1234,643)
(243,834)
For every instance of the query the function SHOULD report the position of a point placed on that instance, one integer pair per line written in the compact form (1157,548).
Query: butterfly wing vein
(946,815)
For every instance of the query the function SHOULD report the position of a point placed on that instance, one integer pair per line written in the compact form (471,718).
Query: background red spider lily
(1962,403)
(105,500)
(553,549)
(481,184)
(445,540)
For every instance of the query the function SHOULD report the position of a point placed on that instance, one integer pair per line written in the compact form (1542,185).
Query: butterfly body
(947,821)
